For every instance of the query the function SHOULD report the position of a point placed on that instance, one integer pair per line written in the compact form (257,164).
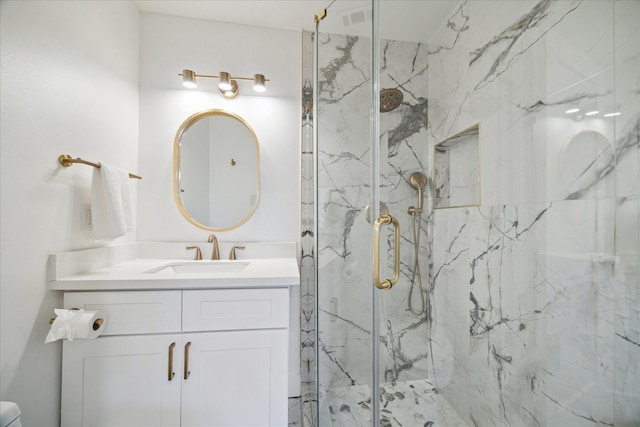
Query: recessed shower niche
(457,170)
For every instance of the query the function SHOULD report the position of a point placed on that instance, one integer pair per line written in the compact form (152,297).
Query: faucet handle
(232,254)
(198,255)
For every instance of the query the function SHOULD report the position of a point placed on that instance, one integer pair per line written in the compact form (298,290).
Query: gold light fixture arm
(387,283)
(204,76)
(66,161)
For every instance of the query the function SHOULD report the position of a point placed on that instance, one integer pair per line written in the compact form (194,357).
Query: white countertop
(114,268)
(134,275)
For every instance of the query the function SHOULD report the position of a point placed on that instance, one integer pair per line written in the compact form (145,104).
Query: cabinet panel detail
(235,309)
(132,312)
(237,378)
(119,381)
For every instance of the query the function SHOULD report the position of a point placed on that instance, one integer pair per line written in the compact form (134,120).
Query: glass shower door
(346,186)
(371,138)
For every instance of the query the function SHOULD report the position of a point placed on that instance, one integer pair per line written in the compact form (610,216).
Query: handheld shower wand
(418,180)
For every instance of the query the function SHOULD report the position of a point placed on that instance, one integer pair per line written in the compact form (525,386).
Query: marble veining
(541,266)
(404,403)
(308,400)
(507,40)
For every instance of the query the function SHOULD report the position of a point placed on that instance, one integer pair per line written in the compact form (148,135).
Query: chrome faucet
(232,254)
(215,251)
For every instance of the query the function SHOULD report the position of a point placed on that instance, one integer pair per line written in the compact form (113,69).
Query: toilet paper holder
(96,324)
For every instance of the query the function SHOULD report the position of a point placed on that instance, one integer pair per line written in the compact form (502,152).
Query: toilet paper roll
(76,324)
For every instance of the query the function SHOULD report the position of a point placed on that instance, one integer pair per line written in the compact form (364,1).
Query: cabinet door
(235,378)
(121,381)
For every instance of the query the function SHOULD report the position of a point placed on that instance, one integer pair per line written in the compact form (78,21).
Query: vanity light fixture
(592,113)
(617,113)
(227,84)
(572,110)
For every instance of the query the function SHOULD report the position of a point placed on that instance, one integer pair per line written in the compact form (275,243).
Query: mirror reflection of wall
(216,170)
(194,189)
(232,158)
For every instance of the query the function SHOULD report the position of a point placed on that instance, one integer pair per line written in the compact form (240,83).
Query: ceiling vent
(357,17)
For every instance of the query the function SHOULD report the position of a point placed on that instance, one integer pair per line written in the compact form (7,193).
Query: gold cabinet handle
(171,374)
(187,372)
(386,220)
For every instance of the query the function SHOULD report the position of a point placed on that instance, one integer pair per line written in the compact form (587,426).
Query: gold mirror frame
(184,127)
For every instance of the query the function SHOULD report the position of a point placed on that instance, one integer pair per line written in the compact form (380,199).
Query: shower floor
(405,403)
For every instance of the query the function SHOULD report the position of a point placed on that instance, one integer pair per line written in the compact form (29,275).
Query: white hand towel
(112,207)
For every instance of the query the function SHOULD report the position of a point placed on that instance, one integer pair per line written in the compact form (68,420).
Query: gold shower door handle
(187,372)
(386,220)
(171,374)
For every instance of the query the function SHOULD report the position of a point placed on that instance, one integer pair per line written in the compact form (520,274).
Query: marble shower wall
(537,293)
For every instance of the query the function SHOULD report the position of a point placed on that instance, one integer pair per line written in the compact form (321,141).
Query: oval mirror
(216,170)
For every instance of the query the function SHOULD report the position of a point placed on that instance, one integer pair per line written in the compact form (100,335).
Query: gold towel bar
(66,161)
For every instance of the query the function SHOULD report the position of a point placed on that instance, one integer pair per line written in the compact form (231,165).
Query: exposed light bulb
(258,83)
(225,81)
(188,79)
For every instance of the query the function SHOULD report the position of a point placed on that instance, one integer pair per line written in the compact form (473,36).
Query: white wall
(69,84)
(170,44)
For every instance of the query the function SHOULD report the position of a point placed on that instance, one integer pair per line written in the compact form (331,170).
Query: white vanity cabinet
(210,357)
(115,381)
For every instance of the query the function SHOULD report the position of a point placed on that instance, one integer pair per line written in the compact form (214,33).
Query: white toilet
(9,415)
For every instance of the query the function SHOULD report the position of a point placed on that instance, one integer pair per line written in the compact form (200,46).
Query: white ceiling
(281,14)
(408,20)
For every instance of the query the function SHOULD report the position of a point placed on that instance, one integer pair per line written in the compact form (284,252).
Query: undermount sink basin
(201,267)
